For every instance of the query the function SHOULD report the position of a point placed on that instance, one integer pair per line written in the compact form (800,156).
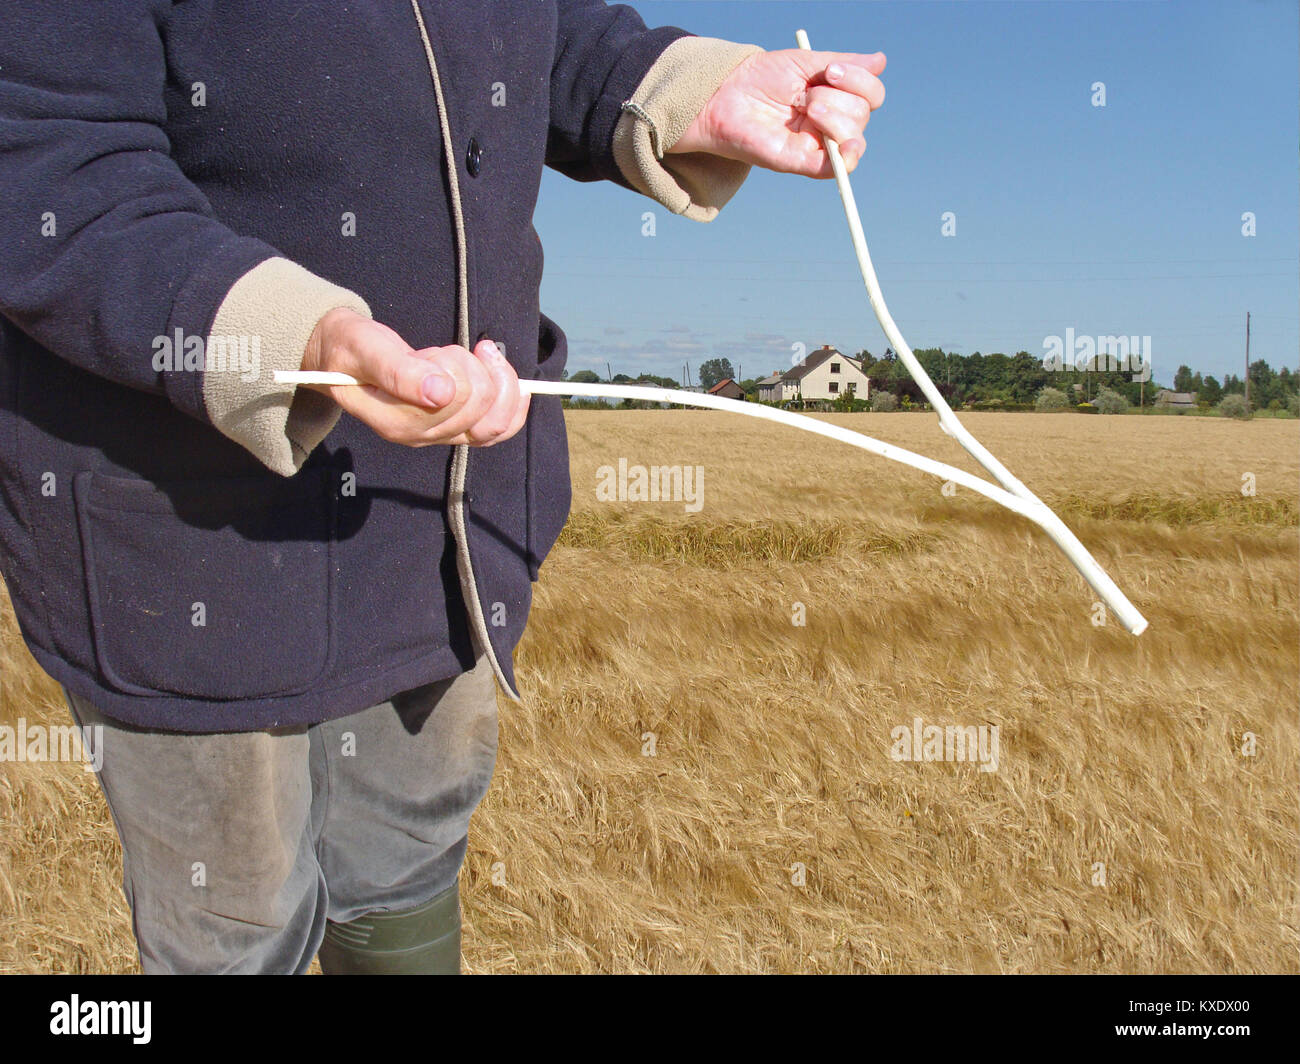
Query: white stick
(1032,508)
(948,421)
(1013,494)
(715,402)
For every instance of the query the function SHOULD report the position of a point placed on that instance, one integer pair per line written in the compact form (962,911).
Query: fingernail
(834,72)
(438,388)
(491,350)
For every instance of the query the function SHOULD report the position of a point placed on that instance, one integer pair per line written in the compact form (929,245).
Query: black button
(474,158)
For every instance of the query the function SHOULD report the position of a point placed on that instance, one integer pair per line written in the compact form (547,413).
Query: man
(288,607)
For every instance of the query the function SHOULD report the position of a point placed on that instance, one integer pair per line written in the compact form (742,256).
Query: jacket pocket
(211,589)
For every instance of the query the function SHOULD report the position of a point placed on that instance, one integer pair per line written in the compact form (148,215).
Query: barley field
(697,782)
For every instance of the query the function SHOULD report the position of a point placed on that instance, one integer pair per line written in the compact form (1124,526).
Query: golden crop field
(699,783)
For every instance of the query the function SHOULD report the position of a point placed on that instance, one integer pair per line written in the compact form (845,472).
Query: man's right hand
(443,395)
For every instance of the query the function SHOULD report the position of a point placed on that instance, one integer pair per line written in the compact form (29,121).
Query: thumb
(394,368)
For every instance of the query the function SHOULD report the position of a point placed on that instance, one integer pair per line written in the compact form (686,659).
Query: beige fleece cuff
(670,96)
(263,325)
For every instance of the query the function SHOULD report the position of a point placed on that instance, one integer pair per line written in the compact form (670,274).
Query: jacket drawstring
(460,459)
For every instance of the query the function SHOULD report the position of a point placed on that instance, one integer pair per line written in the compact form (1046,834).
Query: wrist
(704,133)
(696,138)
(319,342)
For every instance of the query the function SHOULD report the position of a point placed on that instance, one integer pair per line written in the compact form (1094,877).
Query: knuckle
(390,380)
(348,328)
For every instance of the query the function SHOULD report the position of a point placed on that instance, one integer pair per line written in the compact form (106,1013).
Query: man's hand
(437,395)
(774,108)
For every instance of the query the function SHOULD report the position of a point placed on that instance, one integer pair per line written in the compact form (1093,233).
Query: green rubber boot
(420,941)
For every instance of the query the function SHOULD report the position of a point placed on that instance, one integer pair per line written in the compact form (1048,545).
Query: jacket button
(474,157)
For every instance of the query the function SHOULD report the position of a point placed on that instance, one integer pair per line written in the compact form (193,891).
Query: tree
(1183,379)
(1109,402)
(882,402)
(1210,392)
(1050,400)
(714,370)
(1263,384)
(997,375)
(933,361)
(1234,406)
(585,376)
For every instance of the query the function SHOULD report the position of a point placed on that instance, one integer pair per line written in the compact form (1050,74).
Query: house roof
(1179,398)
(767,382)
(722,384)
(814,360)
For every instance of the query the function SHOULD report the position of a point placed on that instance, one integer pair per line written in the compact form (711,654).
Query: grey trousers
(239,846)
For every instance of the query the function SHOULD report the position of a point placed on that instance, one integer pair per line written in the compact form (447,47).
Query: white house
(824,375)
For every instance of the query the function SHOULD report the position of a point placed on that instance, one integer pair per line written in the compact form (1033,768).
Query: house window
(835,367)
(835,386)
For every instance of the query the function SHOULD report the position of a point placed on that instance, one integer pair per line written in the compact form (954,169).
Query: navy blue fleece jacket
(185,188)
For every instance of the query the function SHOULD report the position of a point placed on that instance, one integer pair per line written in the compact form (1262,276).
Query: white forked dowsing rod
(1013,495)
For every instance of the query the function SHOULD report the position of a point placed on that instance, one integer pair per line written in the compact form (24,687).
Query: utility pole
(1247,361)
(609,374)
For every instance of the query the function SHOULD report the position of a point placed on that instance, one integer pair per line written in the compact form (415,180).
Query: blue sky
(1117,219)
